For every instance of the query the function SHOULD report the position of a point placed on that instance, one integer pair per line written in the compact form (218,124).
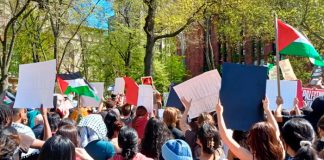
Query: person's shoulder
(140,156)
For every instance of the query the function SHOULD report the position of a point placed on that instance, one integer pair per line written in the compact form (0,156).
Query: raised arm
(236,149)
(296,108)
(278,114)
(183,122)
(47,128)
(270,118)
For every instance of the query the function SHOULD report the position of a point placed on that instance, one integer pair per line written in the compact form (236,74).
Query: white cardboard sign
(288,91)
(145,97)
(36,85)
(119,86)
(203,90)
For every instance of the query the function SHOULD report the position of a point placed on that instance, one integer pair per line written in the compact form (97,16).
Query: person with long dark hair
(128,141)
(70,132)
(319,143)
(57,148)
(155,135)
(113,124)
(209,140)
(263,138)
(9,143)
(298,135)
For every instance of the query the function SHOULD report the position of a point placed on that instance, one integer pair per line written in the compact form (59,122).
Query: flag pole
(277,53)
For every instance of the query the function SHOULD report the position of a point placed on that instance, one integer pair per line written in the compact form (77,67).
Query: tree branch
(317,35)
(76,31)
(189,21)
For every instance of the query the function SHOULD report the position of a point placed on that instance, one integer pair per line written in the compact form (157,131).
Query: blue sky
(99,17)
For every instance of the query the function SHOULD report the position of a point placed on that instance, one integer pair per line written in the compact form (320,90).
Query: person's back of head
(170,117)
(9,142)
(263,142)
(57,148)
(6,115)
(205,117)
(319,143)
(70,132)
(20,115)
(296,133)
(208,138)
(126,109)
(155,135)
(113,123)
(176,149)
(54,120)
(128,141)
(66,121)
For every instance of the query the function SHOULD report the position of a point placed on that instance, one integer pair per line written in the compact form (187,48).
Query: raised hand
(265,104)
(219,108)
(279,100)
(186,103)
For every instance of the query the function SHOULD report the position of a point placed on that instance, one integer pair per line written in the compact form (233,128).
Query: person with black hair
(319,143)
(9,143)
(113,124)
(209,140)
(298,135)
(57,148)
(155,135)
(128,141)
(6,115)
(54,120)
(66,121)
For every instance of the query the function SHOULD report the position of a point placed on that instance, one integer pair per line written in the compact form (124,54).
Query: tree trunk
(148,59)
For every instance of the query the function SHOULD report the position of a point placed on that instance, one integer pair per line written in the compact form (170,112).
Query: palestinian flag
(73,82)
(8,98)
(292,42)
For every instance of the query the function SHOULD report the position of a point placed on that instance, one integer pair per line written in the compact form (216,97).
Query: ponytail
(305,151)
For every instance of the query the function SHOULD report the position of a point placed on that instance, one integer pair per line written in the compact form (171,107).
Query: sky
(99,18)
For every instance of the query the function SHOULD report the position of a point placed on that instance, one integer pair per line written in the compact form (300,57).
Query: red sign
(309,95)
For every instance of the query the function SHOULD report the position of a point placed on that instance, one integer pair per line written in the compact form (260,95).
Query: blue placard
(243,88)
(174,100)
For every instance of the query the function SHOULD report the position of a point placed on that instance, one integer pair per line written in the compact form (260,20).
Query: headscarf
(92,127)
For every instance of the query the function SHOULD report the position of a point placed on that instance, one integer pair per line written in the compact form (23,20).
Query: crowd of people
(117,131)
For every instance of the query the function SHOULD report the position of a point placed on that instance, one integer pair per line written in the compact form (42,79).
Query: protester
(140,120)
(170,118)
(127,114)
(113,124)
(70,132)
(93,138)
(176,149)
(57,148)
(209,140)
(19,123)
(298,135)
(128,141)
(66,121)
(54,120)
(263,138)
(9,144)
(319,143)
(155,135)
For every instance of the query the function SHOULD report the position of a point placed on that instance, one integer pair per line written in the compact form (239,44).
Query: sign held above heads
(288,93)
(36,85)
(145,97)
(147,80)
(203,90)
(241,94)
(119,86)
(287,70)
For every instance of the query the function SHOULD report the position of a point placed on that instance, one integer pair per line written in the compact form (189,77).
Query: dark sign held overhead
(242,90)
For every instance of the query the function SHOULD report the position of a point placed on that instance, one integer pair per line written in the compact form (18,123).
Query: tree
(60,13)
(19,12)
(154,33)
